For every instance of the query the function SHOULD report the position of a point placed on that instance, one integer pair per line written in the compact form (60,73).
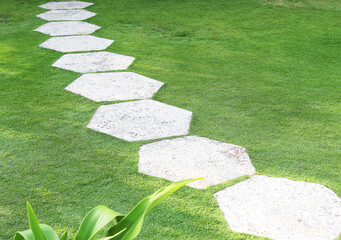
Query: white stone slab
(114,86)
(93,62)
(282,209)
(141,120)
(66,5)
(193,157)
(66,15)
(67,28)
(76,43)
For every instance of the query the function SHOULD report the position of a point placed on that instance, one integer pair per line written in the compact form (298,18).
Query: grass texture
(262,74)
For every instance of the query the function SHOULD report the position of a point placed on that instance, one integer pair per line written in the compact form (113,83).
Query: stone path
(141,120)
(65,5)
(94,62)
(193,157)
(76,43)
(114,86)
(272,207)
(66,15)
(67,28)
(280,208)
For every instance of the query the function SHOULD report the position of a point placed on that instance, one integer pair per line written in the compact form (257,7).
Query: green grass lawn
(262,74)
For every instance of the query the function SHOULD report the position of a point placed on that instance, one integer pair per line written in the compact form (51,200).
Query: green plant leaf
(95,220)
(65,236)
(34,224)
(134,220)
(28,234)
(36,231)
(49,232)
(24,235)
(111,237)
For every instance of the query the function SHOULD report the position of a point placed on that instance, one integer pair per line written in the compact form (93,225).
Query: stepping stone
(192,157)
(76,43)
(65,5)
(141,120)
(66,15)
(93,62)
(280,208)
(67,28)
(114,86)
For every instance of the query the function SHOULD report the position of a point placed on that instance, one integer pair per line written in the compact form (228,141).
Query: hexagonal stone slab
(280,208)
(66,15)
(141,120)
(192,157)
(66,5)
(93,62)
(67,28)
(114,86)
(76,43)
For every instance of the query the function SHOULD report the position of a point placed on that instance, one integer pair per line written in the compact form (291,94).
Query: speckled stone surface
(114,86)
(66,15)
(141,120)
(67,28)
(192,157)
(66,5)
(282,209)
(93,62)
(76,43)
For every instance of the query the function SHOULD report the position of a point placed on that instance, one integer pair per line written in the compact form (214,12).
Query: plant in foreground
(125,227)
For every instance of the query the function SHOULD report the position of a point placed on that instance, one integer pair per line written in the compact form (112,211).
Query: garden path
(277,208)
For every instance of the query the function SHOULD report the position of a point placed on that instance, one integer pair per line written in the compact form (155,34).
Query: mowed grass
(261,74)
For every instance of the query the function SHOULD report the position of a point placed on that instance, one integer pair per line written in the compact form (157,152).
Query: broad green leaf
(49,232)
(111,237)
(24,235)
(34,224)
(95,220)
(65,236)
(37,231)
(134,220)
(28,234)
